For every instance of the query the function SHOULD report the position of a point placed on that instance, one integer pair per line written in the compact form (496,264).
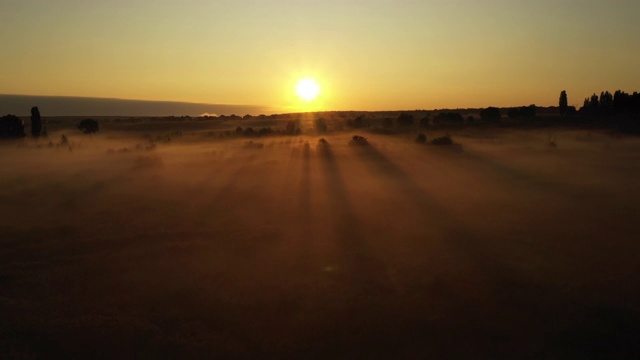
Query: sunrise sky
(364,55)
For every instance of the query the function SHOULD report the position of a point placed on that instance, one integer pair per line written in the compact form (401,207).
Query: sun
(307,89)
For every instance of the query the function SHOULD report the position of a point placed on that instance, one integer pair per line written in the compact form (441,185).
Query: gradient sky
(366,55)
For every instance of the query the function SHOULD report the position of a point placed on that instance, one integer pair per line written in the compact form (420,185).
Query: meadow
(160,240)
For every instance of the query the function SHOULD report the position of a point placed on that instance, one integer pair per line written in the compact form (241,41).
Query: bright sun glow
(307,89)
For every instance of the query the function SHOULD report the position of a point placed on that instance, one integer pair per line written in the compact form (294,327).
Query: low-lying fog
(289,248)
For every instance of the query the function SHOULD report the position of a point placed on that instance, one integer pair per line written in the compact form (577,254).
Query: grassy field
(146,241)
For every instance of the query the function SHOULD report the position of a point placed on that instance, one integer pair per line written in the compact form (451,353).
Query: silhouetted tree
(490,114)
(450,117)
(358,140)
(239,130)
(513,113)
(36,122)
(606,103)
(11,126)
(621,102)
(89,126)
(405,119)
(563,103)
(320,125)
(358,122)
(291,127)
(594,102)
(249,132)
(442,140)
(528,111)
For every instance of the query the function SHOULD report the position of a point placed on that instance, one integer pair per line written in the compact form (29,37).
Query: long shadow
(512,291)
(467,244)
(227,189)
(304,191)
(514,174)
(365,267)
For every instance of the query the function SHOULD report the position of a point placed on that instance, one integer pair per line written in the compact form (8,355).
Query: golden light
(307,89)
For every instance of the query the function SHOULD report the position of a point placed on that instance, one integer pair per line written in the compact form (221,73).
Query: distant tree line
(619,103)
(12,127)
(619,110)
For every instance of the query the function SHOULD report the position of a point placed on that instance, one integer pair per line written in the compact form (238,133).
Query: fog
(287,247)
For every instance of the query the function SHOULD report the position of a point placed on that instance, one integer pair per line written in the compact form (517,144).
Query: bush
(421,139)
(320,125)
(490,114)
(450,117)
(513,113)
(89,126)
(11,126)
(358,140)
(442,140)
(405,119)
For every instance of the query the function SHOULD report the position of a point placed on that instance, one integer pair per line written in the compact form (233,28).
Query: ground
(502,246)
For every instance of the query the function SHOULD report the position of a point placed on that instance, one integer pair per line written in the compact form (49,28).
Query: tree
(528,111)
(564,103)
(89,126)
(320,125)
(513,113)
(490,114)
(11,126)
(291,127)
(36,122)
(450,117)
(606,103)
(405,119)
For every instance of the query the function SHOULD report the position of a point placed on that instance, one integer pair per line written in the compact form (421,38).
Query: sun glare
(307,89)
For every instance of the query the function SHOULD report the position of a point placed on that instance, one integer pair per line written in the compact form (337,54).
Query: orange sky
(366,55)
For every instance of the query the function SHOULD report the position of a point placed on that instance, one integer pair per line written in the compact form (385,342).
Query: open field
(202,247)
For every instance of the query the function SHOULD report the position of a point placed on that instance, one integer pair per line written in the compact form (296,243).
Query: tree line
(12,127)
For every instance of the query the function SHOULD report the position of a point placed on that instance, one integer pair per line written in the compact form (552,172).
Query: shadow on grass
(366,267)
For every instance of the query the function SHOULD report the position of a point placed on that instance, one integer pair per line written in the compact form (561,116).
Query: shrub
(321,125)
(450,117)
(89,126)
(405,119)
(490,114)
(358,140)
(11,126)
(421,139)
(442,140)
